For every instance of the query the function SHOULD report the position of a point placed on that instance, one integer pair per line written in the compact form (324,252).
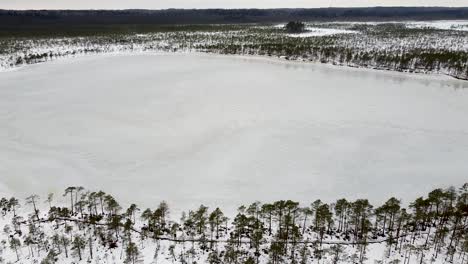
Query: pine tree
(337,252)
(78,245)
(32,200)
(215,219)
(147,215)
(214,258)
(304,253)
(306,212)
(112,206)
(268,210)
(69,191)
(13,204)
(65,243)
(15,243)
(50,198)
(131,212)
(323,220)
(50,258)
(201,219)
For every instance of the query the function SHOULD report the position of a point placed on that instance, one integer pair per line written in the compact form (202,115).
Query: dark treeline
(33,19)
(435,226)
(451,63)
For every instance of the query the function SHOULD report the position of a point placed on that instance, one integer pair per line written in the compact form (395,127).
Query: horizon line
(224,8)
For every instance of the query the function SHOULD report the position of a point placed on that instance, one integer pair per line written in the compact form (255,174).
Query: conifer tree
(69,191)
(13,204)
(78,245)
(15,244)
(65,243)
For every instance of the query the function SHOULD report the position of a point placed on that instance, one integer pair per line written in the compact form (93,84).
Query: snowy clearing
(320,32)
(461,25)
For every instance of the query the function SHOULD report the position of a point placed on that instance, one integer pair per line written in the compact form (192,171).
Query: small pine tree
(15,244)
(65,243)
(133,254)
(78,246)
(305,253)
(213,257)
(337,253)
(51,258)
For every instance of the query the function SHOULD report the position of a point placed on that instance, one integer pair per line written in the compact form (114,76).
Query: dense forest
(94,227)
(33,19)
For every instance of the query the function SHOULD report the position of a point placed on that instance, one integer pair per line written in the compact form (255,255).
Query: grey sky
(160,4)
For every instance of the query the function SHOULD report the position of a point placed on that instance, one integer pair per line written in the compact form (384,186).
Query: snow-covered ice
(461,25)
(191,129)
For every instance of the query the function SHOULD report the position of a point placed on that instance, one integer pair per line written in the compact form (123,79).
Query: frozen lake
(194,129)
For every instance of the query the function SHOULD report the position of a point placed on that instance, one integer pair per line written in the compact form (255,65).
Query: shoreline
(426,75)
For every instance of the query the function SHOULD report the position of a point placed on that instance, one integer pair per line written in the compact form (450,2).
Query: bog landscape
(323,135)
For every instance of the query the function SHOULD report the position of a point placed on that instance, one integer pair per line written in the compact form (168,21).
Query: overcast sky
(161,4)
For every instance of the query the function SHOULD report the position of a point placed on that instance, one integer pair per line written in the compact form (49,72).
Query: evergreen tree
(15,244)
(337,252)
(65,243)
(132,253)
(69,191)
(147,215)
(78,245)
(33,200)
(215,220)
(50,198)
(13,204)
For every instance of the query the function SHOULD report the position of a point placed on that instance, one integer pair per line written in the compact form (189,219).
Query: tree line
(430,228)
(386,46)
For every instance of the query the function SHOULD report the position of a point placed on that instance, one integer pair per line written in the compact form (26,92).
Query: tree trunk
(304,224)
(71,202)
(35,209)
(66,250)
(91,247)
(428,234)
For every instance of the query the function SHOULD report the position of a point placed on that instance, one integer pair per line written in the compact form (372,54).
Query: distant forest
(56,18)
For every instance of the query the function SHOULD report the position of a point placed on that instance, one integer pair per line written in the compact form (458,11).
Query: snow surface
(461,25)
(192,129)
(320,32)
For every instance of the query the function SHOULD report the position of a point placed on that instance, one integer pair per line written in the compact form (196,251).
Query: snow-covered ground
(159,251)
(192,129)
(435,24)
(312,31)
(461,25)
(320,32)
(328,29)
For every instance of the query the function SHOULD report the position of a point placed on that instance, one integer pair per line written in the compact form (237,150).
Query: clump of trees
(92,222)
(295,27)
